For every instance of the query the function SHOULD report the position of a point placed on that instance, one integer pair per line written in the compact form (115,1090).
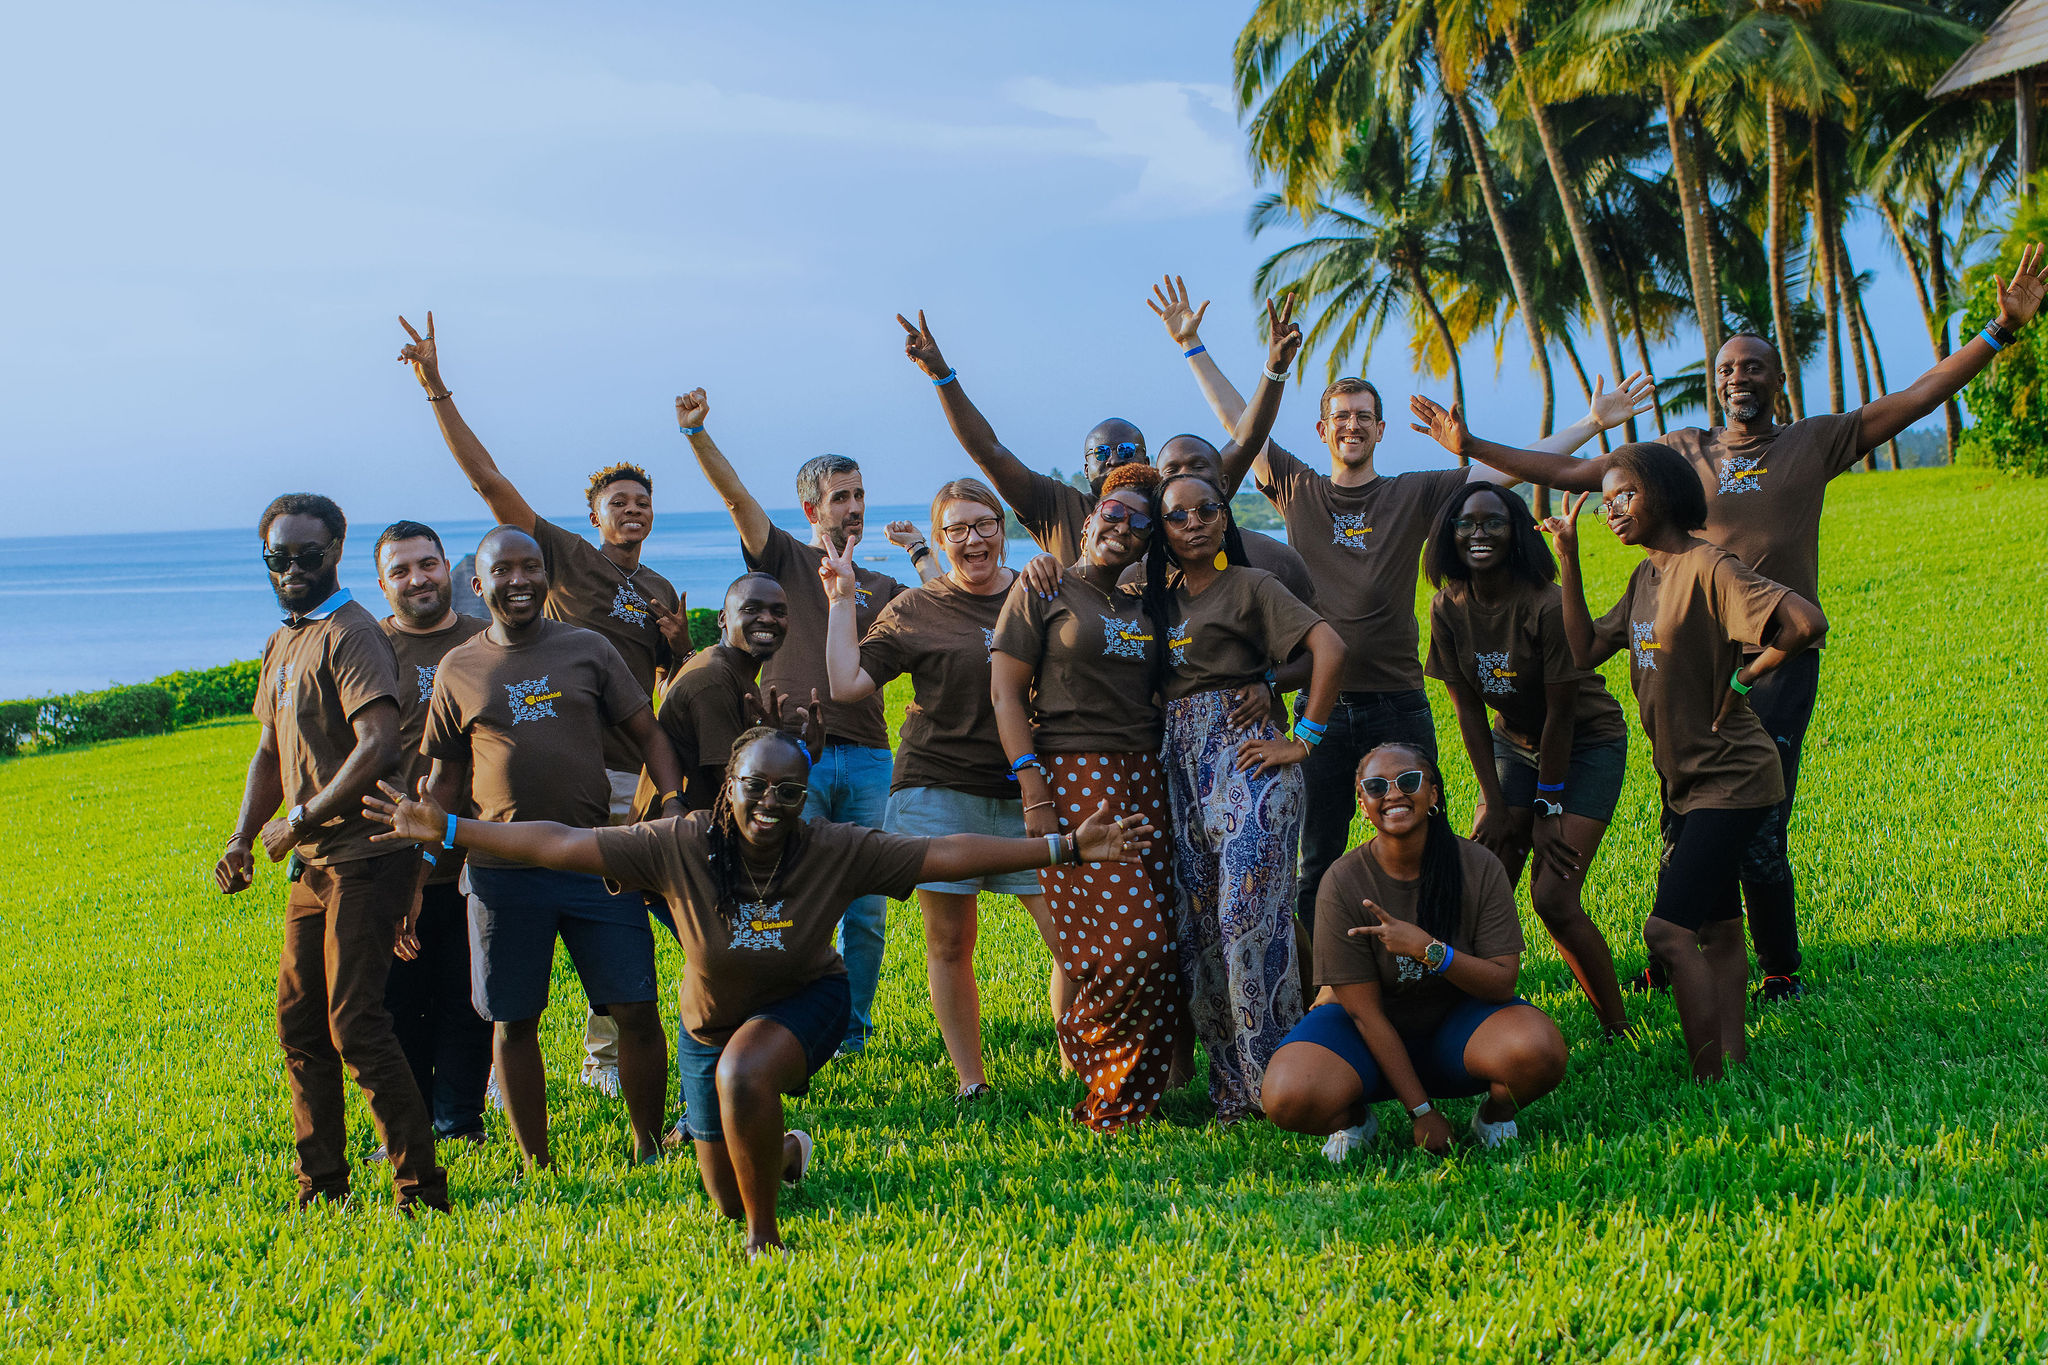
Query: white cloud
(1179,134)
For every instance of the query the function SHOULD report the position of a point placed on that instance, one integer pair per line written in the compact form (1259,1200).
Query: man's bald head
(1112,442)
(1188,453)
(511,576)
(504,540)
(1748,375)
(755,617)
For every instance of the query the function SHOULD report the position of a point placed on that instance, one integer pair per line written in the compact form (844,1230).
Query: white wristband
(1052,846)
(1279,378)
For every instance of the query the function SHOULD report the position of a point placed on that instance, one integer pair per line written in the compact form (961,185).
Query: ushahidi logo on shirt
(759,927)
(1739,473)
(426,672)
(1640,641)
(532,700)
(1494,674)
(629,606)
(1177,641)
(1125,639)
(1349,531)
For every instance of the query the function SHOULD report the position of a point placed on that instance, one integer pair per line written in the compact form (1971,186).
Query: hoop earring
(1437,809)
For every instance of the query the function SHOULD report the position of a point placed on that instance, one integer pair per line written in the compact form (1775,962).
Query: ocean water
(85,611)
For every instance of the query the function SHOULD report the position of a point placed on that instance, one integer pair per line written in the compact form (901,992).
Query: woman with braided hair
(1235,789)
(1417,949)
(757,892)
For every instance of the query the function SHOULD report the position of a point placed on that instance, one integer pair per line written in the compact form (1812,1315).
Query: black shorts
(1592,784)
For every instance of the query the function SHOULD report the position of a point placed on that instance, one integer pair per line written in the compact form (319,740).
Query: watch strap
(1421,1109)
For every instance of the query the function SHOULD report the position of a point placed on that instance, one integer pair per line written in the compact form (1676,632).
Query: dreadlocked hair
(723,837)
(1439,900)
(1158,597)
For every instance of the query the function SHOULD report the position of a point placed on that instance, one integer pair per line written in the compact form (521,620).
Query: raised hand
(1636,396)
(412,819)
(1170,302)
(1103,838)
(1564,530)
(1444,426)
(236,868)
(2019,298)
(921,349)
(1283,339)
(904,535)
(835,572)
(692,408)
(422,356)
(674,625)
(1397,936)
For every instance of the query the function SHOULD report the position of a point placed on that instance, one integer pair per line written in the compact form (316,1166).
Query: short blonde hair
(968,490)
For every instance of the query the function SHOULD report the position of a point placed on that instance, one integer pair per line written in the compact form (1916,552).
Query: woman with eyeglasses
(1551,768)
(951,773)
(1688,610)
(1076,705)
(1417,950)
(1235,793)
(757,892)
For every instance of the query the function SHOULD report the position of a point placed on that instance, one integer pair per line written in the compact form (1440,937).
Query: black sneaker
(1776,989)
(1643,982)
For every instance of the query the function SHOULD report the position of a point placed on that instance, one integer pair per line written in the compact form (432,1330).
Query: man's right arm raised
(692,409)
(505,502)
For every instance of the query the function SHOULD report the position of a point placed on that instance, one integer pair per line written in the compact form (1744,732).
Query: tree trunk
(1574,214)
(1774,247)
(1635,322)
(1823,257)
(1876,362)
(1418,282)
(1937,287)
(1838,266)
(1706,299)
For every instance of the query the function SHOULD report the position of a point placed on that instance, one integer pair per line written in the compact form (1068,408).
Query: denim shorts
(515,914)
(941,810)
(1438,1058)
(1592,784)
(816,1014)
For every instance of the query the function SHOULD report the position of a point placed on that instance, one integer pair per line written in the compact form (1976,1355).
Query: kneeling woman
(1417,948)
(756,893)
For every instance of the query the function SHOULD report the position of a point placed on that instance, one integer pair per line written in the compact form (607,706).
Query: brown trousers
(341,923)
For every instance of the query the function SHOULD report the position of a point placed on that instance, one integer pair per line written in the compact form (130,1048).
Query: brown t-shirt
(1054,512)
(1092,652)
(1684,625)
(588,590)
(419,656)
(1510,653)
(315,678)
(739,954)
(1363,547)
(1243,623)
(703,711)
(1415,1002)
(530,720)
(941,635)
(1261,551)
(799,666)
(1764,493)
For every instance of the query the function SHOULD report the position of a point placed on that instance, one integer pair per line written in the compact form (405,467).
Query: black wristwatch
(2004,336)
(1550,809)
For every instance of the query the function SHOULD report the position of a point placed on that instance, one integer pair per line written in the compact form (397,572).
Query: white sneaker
(1345,1141)
(803,1155)
(1493,1134)
(492,1095)
(603,1077)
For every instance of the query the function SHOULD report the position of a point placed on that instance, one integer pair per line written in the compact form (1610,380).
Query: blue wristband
(1312,738)
(691,431)
(1027,761)
(1190,355)
(1991,340)
(946,378)
(1304,723)
(448,839)
(430,860)
(1550,786)
(1450,955)
(1272,676)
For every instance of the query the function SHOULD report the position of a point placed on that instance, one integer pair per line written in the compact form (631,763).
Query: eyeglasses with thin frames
(1493,526)
(1619,502)
(988,528)
(1202,512)
(786,793)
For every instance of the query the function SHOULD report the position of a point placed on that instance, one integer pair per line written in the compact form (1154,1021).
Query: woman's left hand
(1256,756)
(1254,707)
(1106,838)
(1397,936)
(416,819)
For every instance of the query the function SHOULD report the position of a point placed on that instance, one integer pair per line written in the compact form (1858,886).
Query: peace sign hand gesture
(2019,298)
(422,356)
(772,708)
(921,349)
(1397,936)
(1170,302)
(1283,338)
(1564,530)
(835,572)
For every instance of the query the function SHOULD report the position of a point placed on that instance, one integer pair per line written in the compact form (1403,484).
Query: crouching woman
(1416,952)
(756,892)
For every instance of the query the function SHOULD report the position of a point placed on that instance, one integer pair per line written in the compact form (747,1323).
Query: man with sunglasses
(516,728)
(1361,534)
(328,704)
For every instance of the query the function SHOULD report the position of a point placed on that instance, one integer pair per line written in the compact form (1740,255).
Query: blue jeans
(1359,722)
(850,784)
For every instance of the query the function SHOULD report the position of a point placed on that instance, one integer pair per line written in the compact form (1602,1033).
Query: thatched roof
(2017,41)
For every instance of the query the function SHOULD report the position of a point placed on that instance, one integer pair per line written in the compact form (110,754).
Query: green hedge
(149,708)
(703,627)
(2009,412)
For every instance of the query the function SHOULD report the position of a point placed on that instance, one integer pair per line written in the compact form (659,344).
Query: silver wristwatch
(1419,1110)
(296,818)
(1550,809)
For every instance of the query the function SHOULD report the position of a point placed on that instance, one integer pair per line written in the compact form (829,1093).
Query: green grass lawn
(1870,1187)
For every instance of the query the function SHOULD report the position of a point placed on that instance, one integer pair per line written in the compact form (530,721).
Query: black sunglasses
(277,561)
(1128,450)
(1409,782)
(1203,512)
(1116,514)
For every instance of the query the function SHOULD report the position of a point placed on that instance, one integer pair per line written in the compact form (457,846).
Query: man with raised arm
(850,777)
(604,588)
(516,727)
(328,705)
(1362,534)
(1765,485)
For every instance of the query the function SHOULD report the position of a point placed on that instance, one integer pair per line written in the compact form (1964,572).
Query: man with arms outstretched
(1362,534)
(1765,485)
(517,727)
(602,588)
(328,704)
(850,774)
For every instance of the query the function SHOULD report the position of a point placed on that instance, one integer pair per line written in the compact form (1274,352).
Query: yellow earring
(1222,560)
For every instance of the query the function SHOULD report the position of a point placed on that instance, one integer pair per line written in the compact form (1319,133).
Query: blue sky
(219,210)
